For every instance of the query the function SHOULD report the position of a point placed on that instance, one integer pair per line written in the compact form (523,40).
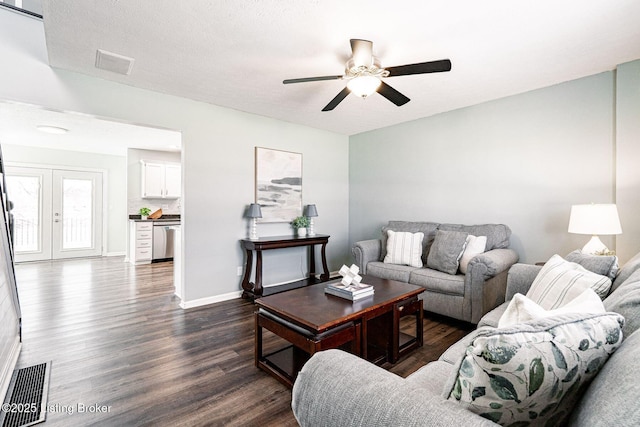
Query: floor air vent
(27,397)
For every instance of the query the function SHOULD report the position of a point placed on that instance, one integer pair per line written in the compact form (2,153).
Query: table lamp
(254,213)
(594,219)
(311,212)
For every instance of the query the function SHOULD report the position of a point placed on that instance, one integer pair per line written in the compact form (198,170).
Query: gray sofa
(338,389)
(461,296)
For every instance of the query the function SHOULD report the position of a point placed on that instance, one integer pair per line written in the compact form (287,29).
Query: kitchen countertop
(136,218)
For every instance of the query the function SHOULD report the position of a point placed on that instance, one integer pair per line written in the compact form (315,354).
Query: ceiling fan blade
(420,68)
(337,100)
(362,51)
(311,79)
(392,95)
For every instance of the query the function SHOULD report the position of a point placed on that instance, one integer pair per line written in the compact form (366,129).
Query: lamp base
(594,246)
(253,235)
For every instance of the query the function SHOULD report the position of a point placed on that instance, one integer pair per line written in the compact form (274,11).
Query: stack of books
(351,292)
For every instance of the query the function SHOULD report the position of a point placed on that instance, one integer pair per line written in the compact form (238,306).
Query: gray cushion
(431,376)
(626,301)
(612,398)
(497,234)
(390,271)
(437,281)
(446,251)
(599,264)
(493,317)
(626,271)
(428,228)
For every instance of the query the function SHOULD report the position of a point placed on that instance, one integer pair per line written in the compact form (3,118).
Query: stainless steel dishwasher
(163,240)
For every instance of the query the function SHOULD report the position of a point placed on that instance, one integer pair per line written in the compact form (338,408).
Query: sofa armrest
(520,278)
(366,251)
(486,281)
(494,262)
(338,389)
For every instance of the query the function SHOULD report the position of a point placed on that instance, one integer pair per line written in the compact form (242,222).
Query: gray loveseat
(338,389)
(462,296)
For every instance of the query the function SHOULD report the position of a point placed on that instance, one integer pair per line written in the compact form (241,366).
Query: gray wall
(628,157)
(217,157)
(522,160)
(115,181)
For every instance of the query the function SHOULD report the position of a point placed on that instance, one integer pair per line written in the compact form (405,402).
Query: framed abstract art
(278,184)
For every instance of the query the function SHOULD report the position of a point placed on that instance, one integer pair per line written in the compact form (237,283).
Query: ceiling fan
(364,75)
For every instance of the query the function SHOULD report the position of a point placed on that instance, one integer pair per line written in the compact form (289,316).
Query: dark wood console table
(255,290)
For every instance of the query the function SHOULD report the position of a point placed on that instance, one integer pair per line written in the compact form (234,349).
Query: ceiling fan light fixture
(364,85)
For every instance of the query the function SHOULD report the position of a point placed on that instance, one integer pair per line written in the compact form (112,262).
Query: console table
(255,290)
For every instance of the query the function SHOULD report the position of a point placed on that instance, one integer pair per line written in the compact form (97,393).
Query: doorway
(57,213)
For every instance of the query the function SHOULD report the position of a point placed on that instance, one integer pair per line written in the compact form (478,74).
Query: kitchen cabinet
(140,242)
(160,180)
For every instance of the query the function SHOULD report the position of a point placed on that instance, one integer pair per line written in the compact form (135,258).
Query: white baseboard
(116,253)
(210,300)
(224,297)
(7,370)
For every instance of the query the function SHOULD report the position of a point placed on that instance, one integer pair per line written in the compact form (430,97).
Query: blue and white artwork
(278,184)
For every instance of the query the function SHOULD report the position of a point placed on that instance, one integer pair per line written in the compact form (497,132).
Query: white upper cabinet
(172,180)
(160,180)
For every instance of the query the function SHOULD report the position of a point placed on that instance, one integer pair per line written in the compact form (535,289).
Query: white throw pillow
(475,246)
(521,309)
(404,248)
(559,281)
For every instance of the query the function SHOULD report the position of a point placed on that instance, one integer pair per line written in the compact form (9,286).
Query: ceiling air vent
(113,62)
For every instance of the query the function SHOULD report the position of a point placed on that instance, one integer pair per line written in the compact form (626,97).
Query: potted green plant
(300,224)
(144,213)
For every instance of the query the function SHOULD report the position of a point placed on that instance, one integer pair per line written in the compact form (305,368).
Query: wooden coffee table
(311,321)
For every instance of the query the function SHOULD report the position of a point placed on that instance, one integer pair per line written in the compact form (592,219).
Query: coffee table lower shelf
(284,363)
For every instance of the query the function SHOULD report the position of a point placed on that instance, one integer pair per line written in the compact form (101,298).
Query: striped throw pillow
(560,281)
(404,248)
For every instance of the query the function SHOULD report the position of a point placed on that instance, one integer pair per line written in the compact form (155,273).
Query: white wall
(522,161)
(115,168)
(217,156)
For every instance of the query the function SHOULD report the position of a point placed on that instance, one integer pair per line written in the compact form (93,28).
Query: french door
(57,213)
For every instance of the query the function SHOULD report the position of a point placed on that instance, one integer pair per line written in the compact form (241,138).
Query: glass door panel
(77,214)
(27,191)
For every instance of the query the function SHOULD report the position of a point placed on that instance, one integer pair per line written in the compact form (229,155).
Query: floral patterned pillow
(534,373)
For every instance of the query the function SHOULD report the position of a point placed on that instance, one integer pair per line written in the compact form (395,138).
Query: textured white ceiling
(235,53)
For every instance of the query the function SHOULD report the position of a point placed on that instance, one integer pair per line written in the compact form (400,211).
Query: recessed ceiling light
(52,129)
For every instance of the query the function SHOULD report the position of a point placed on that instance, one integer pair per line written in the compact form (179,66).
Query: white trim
(219,298)
(7,372)
(121,253)
(210,300)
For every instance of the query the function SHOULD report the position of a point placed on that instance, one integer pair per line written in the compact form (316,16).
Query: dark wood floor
(123,353)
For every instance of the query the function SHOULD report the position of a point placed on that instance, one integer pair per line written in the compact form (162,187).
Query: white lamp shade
(594,219)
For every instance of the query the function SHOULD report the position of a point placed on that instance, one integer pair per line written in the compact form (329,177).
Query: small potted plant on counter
(300,224)
(144,213)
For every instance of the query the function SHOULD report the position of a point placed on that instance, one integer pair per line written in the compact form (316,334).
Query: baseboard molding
(224,297)
(116,253)
(7,370)
(210,300)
